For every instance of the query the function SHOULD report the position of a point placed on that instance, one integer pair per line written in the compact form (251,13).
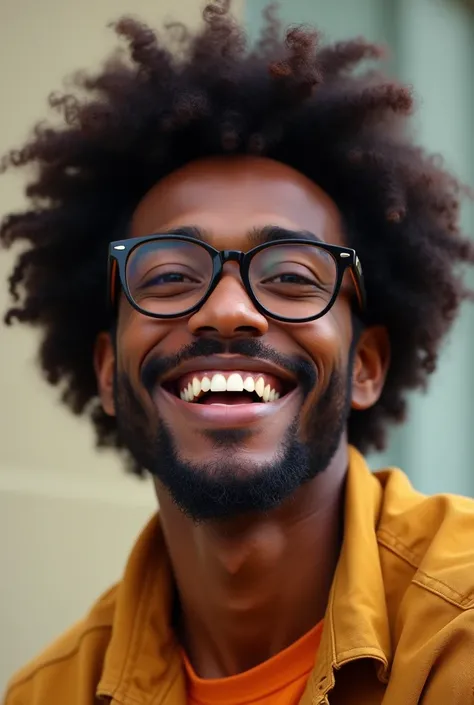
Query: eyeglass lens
(171,276)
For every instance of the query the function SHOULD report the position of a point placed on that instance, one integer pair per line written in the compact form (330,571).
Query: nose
(228,312)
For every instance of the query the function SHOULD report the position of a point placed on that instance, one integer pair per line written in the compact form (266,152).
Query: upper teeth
(234,383)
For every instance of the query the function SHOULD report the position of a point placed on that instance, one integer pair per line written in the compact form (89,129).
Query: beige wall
(68,515)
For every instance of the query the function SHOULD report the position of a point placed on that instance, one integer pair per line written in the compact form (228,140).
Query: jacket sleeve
(66,673)
(451,677)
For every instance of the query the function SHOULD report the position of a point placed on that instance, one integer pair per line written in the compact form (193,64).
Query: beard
(219,489)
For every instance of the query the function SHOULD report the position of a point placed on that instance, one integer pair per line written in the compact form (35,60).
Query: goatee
(219,489)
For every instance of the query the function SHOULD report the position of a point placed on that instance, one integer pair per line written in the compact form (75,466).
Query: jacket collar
(356,620)
(143,657)
(143,664)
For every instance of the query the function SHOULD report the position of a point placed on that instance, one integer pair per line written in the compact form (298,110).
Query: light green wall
(432,44)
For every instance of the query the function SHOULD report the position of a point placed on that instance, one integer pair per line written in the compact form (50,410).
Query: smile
(227,390)
(229,381)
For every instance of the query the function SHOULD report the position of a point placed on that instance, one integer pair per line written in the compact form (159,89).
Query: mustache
(154,368)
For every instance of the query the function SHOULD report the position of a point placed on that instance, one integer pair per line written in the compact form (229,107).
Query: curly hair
(163,101)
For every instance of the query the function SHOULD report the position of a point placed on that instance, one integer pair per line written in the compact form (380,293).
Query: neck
(251,586)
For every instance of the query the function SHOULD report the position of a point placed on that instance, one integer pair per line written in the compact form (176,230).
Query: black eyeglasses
(291,280)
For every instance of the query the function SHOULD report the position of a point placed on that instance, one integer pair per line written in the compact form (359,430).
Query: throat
(243,585)
(228,398)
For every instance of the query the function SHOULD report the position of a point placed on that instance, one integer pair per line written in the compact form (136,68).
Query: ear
(104,365)
(371,362)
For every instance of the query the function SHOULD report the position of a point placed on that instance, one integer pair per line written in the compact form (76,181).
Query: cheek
(326,341)
(138,336)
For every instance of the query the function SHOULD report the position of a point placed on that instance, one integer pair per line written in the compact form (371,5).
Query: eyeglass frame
(120,251)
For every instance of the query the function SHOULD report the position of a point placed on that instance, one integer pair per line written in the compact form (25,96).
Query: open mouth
(228,387)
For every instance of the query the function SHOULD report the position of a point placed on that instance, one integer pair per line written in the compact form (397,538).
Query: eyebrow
(273,233)
(257,236)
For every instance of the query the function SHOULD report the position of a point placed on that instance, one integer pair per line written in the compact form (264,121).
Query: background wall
(68,515)
(432,46)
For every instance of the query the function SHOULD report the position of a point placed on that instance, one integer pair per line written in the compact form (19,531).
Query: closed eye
(291,279)
(168,278)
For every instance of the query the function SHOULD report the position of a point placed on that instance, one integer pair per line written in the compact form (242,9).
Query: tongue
(227,398)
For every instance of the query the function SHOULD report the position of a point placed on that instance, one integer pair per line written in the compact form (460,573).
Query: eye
(168,278)
(171,283)
(291,278)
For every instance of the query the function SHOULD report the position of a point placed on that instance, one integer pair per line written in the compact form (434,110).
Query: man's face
(225,454)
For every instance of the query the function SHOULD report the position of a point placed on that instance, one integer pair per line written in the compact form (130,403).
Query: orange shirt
(398,628)
(279,681)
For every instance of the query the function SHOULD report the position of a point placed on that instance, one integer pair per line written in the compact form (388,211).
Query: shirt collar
(143,657)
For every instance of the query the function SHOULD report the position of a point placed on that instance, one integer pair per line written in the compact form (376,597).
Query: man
(283,267)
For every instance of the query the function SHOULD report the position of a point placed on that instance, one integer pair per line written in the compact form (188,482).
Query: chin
(227,461)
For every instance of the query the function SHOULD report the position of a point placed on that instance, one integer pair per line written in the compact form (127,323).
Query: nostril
(206,329)
(223,333)
(248,329)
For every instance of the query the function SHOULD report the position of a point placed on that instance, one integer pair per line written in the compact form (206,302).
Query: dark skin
(248,586)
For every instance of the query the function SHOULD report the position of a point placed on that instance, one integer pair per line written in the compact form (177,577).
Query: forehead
(229,197)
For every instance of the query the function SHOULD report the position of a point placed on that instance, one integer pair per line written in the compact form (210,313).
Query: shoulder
(426,548)
(432,535)
(69,669)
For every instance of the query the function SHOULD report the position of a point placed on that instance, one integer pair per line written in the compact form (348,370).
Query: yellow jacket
(398,630)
